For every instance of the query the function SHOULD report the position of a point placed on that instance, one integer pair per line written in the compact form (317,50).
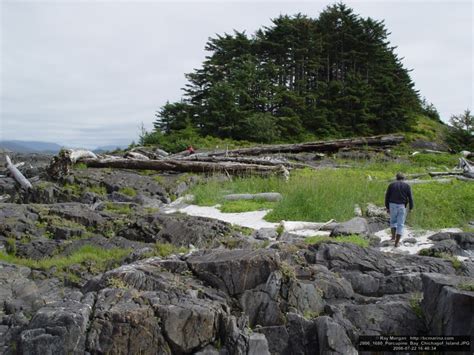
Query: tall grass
(325,194)
(96,256)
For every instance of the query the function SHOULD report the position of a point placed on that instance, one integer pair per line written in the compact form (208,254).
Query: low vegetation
(167,249)
(96,258)
(321,195)
(120,208)
(352,239)
(466,286)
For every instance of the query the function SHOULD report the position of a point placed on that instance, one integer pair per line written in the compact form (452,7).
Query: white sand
(255,220)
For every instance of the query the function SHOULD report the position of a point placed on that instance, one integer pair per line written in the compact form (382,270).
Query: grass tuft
(466,286)
(128,191)
(353,239)
(166,249)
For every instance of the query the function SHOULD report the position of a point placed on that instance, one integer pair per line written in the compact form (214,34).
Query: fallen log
(17,175)
(186,166)
(466,167)
(266,196)
(415,182)
(464,178)
(444,173)
(245,160)
(320,146)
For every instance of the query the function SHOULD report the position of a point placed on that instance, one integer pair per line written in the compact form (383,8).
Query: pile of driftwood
(232,162)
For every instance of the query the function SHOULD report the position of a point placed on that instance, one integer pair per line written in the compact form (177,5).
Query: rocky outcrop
(357,225)
(447,306)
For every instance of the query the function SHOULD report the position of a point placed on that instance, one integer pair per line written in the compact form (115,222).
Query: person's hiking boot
(393,231)
(397,240)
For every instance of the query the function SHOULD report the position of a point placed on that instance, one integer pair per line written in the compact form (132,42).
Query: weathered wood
(415,182)
(17,175)
(444,173)
(464,178)
(320,146)
(245,160)
(185,166)
(61,164)
(266,196)
(467,168)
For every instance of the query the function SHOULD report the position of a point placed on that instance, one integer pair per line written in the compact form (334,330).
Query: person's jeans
(397,217)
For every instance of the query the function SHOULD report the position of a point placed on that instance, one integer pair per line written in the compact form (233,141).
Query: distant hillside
(30,146)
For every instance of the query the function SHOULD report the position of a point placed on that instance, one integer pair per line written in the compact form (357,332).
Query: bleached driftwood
(463,178)
(415,182)
(136,155)
(444,173)
(17,175)
(266,196)
(466,167)
(290,226)
(320,146)
(4,197)
(246,160)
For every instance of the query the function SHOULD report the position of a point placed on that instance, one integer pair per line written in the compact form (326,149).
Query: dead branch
(17,175)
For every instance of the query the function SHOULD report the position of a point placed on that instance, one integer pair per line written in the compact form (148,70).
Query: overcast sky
(83,73)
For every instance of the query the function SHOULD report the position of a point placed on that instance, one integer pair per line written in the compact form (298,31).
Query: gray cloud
(87,73)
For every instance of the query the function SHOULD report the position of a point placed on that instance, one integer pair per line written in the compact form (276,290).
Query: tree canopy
(335,75)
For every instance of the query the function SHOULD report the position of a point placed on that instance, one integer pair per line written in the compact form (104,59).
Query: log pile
(231,162)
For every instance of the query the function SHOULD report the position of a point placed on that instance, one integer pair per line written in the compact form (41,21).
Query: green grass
(128,191)
(415,304)
(80,166)
(118,208)
(89,254)
(167,249)
(353,239)
(466,286)
(246,205)
(98,189)
(321,195)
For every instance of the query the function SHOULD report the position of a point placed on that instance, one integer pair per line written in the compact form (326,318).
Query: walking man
(397,197)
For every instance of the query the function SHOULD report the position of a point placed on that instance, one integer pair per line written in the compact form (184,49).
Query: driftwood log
(187,166)
(467,168)
(320,146)
(61,164)
(265,196)
(17,175)
(245,160)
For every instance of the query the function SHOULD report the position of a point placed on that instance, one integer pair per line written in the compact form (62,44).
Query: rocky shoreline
(216,289)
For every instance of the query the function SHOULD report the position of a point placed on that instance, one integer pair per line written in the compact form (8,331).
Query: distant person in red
(190,150)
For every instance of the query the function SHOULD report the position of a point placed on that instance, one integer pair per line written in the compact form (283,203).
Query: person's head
(400,176)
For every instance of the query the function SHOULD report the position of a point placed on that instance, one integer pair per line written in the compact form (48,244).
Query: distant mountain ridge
(47,147)
(30,146)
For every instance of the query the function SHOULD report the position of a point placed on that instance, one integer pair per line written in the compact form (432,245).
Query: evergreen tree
(335,75)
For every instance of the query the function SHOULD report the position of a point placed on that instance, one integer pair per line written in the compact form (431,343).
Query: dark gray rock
(303,335)
(447,308)
(124,323)
(387,316)
(409,240)
(446,246)
(332,338)
(277,337)
(356,225)
(265,234)
(440,236)
(58,328)
(234,271)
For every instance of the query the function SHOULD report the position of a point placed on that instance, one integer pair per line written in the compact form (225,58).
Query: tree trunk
(186,166)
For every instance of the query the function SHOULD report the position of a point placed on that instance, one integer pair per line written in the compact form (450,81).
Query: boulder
(446,246)
(265,234)
(277,338)
(332,338)
(356,225)
(234,271)
(446,306)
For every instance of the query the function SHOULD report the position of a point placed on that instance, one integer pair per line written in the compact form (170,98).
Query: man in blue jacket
(397,197)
